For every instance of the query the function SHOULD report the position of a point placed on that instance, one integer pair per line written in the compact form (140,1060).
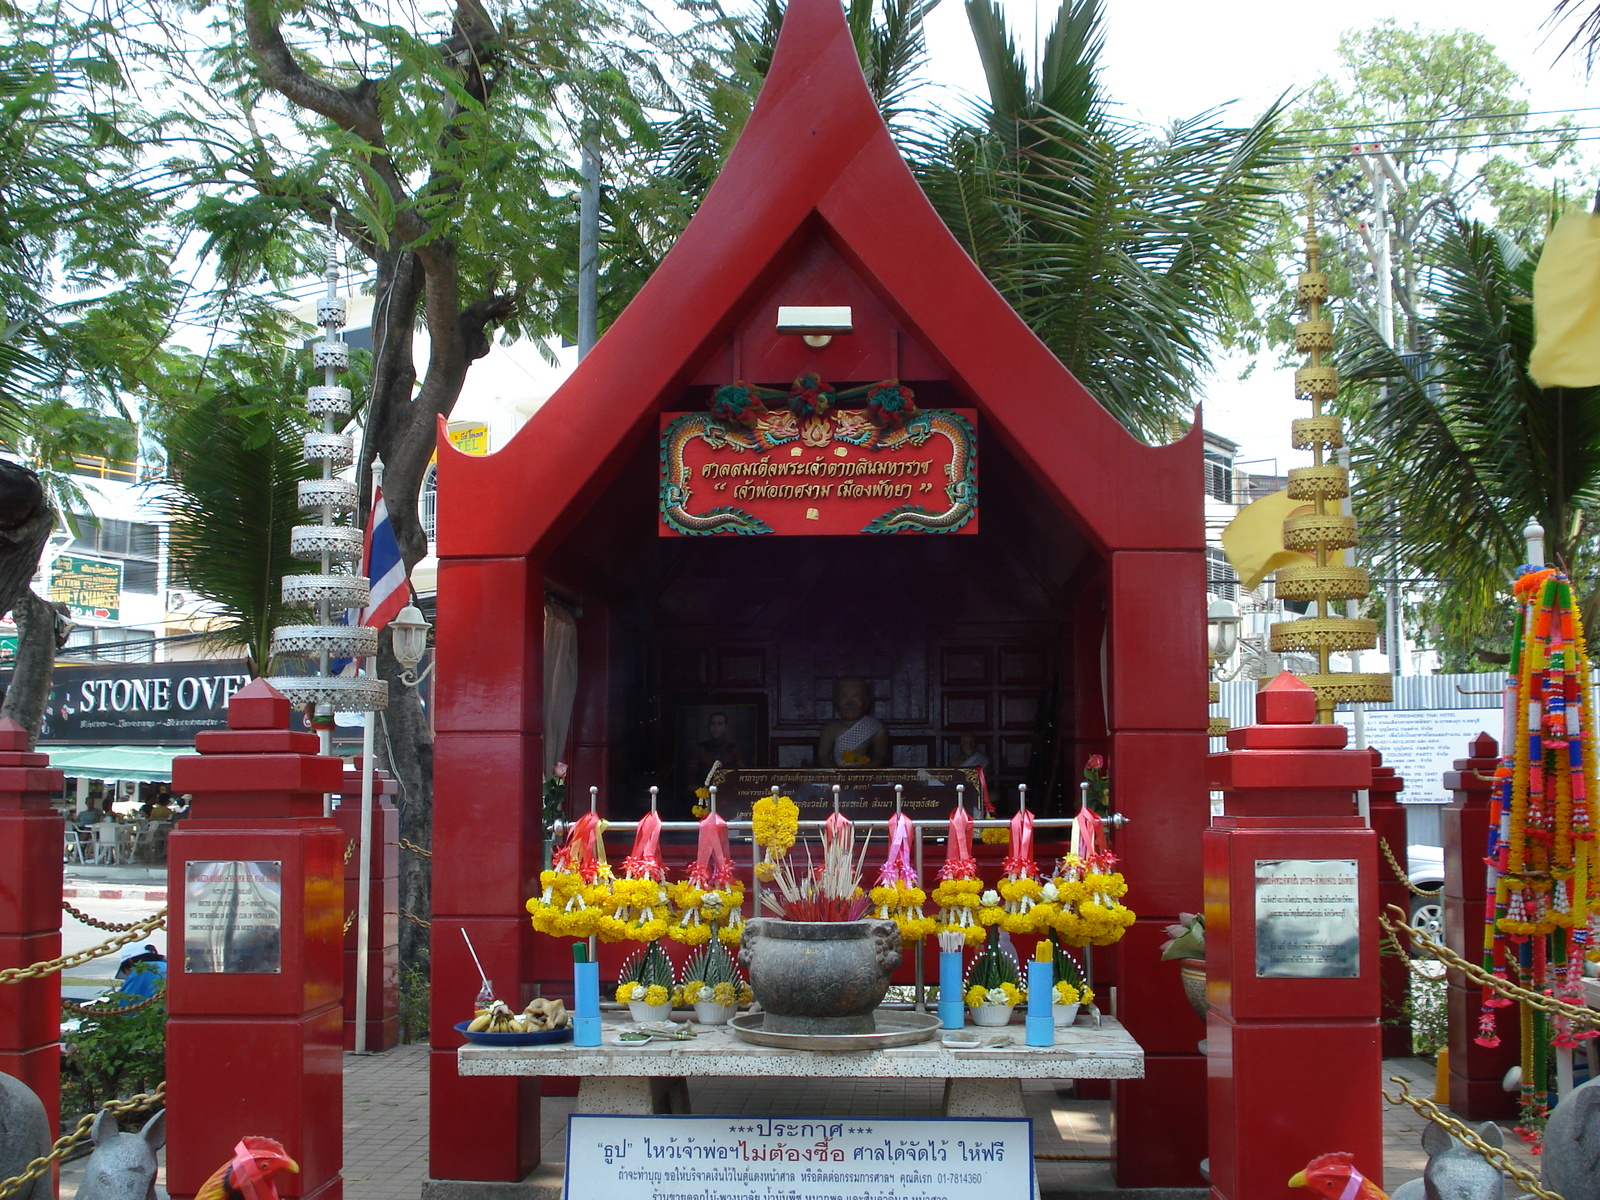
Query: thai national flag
(386,570)
(382,565)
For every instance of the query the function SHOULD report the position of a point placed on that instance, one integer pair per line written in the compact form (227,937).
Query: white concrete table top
(1081,1051)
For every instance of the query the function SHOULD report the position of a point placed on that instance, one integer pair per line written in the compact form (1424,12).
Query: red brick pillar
(1158,744)
(1289,794)
(383,943)
(1475,1071)
(488,771)
(1389,823)
(253,1036)
(30,916)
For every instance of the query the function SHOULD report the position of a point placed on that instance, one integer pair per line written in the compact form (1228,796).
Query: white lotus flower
(990,898)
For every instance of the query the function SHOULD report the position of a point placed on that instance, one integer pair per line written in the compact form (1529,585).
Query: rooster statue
(1334,1176)
(248,1174)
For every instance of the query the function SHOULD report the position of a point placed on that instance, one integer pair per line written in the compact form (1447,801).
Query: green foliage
(1120,247)
(85,292)
(113,1055)
(232,441)
(414,1002)
(650,966)
(711,965)
(994,965)
(1442,104)
(1463,439)
(1426,1009)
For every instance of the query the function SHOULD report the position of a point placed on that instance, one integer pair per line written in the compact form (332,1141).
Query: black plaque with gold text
(865,793)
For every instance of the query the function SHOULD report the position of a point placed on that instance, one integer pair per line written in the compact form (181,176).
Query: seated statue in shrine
(854,738)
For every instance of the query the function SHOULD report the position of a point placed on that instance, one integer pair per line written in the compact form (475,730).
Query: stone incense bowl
(819,977)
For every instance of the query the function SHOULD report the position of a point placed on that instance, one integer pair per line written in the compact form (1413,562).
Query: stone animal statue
(1455,1171)
(122,1165)
(24,1136)
(1570,1162)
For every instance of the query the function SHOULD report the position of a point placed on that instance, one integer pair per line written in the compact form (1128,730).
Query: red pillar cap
(12,735)
(258,705)
(1484,746)
(1287,700)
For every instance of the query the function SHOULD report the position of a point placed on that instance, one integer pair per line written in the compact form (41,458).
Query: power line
(1545,112)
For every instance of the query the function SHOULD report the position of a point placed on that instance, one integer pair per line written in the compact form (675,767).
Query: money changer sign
(89,587)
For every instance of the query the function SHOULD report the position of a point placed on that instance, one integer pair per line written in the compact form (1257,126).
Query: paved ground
(386,1120)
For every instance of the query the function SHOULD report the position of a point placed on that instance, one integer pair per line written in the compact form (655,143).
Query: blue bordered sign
(858,1158)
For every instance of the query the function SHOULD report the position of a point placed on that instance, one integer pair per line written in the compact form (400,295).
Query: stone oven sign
(859,1158)
(833,474)
(233,918)
(1307,919)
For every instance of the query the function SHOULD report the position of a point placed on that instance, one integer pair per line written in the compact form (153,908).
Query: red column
(488,771)
(1389,823)
(30,916)
(383,943)
(1157,721)
(1475,1071)
(1294,1063)
(256,1051)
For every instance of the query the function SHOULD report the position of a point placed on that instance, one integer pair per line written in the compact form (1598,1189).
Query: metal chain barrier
(73,1008)
(1405,876)
(96,922)
(1579,1015)
(117,1108)
(39,970)
(415,849)
(1496,1156)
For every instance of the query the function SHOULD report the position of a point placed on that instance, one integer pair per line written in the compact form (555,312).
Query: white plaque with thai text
(735,1158)
(233,918)
(1307,918)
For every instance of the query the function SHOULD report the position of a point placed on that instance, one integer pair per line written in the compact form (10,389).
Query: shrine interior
(995,634)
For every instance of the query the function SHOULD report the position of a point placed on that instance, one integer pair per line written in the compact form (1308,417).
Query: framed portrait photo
(732,732)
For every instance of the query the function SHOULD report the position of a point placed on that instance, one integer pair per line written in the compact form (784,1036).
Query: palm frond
(1458,448)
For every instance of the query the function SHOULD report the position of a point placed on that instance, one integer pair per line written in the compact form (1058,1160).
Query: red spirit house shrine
(1064,618)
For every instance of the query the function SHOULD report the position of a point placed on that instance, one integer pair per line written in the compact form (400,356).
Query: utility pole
(589,244)
(1380,171)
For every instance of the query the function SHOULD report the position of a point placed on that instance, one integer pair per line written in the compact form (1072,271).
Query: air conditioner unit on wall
(177,601)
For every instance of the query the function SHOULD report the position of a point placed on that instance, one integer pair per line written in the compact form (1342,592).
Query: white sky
(1175,58)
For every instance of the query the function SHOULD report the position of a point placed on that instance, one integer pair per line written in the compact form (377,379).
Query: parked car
(1425,866)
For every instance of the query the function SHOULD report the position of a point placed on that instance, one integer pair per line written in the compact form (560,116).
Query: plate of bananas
(541,1023)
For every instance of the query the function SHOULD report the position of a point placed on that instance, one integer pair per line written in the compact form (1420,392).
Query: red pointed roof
(816,150)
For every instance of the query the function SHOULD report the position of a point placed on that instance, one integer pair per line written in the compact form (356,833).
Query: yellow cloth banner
(1253,541)
(1566,305)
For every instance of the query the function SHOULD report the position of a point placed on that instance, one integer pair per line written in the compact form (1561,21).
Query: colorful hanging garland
(712,896)
(898,896)
(640,908)
(1542,909)
(1089,890)
(1012,902)
(775,823)
(576,892)
(959,889)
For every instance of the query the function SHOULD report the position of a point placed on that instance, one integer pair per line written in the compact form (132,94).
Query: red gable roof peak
(816,155)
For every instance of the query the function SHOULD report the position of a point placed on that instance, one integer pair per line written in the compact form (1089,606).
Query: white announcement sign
(1422,744)
(770,1158)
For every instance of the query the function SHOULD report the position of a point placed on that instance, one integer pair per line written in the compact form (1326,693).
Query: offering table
(650,1077)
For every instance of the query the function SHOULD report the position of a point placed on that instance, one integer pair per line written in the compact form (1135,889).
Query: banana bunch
(540,1015)
(496,1018)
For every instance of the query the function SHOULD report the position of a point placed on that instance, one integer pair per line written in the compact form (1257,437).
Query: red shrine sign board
(833,474)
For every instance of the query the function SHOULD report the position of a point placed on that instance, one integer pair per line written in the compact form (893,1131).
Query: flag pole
(364,869)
